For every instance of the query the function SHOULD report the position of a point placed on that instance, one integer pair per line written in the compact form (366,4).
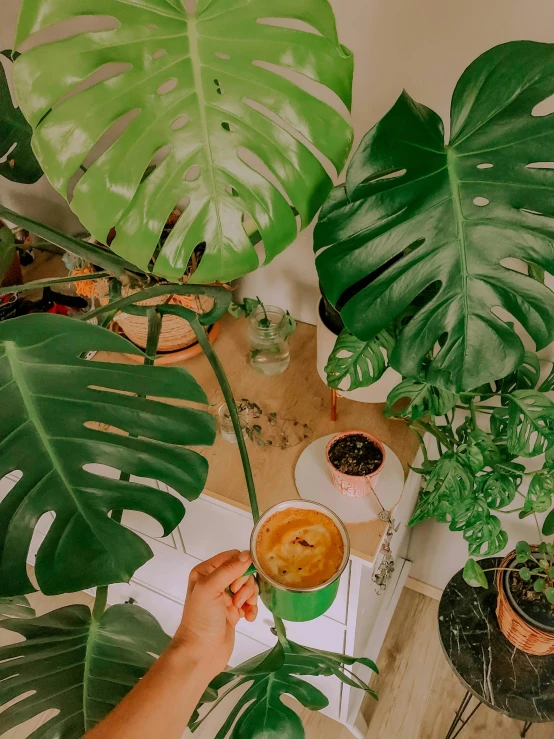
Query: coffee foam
(299,548)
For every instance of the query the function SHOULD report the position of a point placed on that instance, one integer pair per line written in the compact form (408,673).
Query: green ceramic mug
(308,603)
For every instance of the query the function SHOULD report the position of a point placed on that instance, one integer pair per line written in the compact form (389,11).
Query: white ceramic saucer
(314,482)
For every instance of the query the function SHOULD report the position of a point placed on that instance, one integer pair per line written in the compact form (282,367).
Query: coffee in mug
(299,548)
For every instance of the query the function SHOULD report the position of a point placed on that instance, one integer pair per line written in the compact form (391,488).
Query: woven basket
(517,631)
(176,333)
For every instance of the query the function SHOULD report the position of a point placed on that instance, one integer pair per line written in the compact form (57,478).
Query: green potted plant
(420,242)
(231,128)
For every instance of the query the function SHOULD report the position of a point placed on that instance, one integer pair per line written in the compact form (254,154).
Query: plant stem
(472,412)
(281,631)
(217,367)
(38,284)
(153,337)
(538,527)
(421,445)
(100,602)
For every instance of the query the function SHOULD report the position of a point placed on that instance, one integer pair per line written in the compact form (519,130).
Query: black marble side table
(488,666)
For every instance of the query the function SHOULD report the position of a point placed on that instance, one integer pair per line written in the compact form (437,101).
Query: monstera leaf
(416,213)
(75,664)
(270,676)
(447,492)
(424,400)
(229,94)
(18,607)
(530,422)
(362,362)
(60,414)
(17,161)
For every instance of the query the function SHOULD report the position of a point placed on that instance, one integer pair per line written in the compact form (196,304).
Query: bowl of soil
(525,617)
(355,459)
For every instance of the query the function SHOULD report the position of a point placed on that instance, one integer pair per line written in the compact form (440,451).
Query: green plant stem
(221,296)
(421,445)
(538,528)
(100,603)
(437,433)
(38,284)
(281,631)
(472,412)
(153,337)
(213,359)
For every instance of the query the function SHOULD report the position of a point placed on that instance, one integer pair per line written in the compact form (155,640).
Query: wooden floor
(418,692)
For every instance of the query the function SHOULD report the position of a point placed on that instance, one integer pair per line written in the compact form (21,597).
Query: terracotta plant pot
(521,631)
(355,486)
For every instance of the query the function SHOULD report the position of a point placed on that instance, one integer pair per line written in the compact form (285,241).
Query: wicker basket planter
(516,627)
(176,333)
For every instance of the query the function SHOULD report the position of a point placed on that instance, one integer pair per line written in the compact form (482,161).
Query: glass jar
(269,346)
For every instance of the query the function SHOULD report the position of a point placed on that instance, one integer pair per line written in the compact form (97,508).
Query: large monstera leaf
(232,92)
(17,161)
(260,713)
(77,665)
(60,414)
(416,213)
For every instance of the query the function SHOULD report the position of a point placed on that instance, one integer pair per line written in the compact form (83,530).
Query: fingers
(239,582)
(228,572)
(248,593)
(203,569)
(250,612)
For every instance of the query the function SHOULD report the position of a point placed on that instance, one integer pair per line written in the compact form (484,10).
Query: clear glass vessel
(268,333)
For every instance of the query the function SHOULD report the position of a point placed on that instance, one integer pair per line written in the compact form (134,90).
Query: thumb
(228,572)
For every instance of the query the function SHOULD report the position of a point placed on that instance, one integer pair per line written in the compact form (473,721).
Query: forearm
(161,704)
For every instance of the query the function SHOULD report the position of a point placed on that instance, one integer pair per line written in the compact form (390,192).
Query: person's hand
(210,614)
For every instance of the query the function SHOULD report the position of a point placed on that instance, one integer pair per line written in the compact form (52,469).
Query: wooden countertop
(298,394)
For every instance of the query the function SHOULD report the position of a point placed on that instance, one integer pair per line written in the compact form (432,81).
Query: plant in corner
(445,245)
(201,93)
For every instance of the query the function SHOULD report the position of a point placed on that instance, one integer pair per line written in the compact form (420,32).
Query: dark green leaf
(548,384)
(231,105)
(530,423)
(489,449)
(497,489)
(539,495)
(523,551)
(446,493)
(416,212)
(539,585)
(525,573)
(89,252)
(472,456)
(58,415)
(474,575)
(270,676)
(543,547)
(236,310)
(525,377)
(18,163)
(549,592)
(80,668)
(424,400)
(7,246)
(17,607)
(484,534)
(362,362)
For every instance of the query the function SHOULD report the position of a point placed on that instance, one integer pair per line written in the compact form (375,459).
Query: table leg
(333,405)
(526,728)
(455,727)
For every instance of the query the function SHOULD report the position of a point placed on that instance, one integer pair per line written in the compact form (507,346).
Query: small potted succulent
(355,459)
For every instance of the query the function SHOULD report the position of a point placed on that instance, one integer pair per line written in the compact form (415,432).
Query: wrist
(193,655)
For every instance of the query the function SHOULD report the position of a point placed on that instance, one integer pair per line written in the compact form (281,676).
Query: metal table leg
(459,721)
(526,728)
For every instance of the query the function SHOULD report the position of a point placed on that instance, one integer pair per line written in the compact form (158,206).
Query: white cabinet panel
(210,527)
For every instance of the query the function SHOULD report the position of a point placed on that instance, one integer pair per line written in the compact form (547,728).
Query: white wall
(422,46)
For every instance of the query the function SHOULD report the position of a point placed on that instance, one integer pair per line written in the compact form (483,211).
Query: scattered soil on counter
(355,455)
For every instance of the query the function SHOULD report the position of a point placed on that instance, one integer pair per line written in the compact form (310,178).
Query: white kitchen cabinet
(355,624)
